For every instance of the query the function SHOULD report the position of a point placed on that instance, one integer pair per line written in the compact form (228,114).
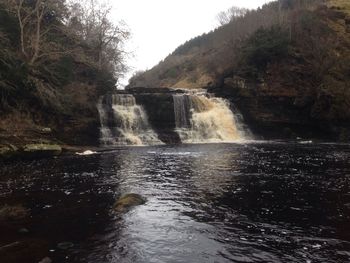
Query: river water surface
(257,202)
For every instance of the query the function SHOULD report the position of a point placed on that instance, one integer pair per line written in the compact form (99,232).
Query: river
(254,202)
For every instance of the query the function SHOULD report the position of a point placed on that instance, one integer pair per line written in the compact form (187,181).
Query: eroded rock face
(82,132)
(160,111)
(126,202)
(275,111)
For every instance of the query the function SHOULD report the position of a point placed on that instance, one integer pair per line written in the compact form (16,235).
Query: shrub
(262,48)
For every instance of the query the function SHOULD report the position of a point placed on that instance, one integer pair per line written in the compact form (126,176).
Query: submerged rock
(65,245)
(17,212)
(128,201)
(41,150)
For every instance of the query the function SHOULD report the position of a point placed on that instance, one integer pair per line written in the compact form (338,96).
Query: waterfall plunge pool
(256,202)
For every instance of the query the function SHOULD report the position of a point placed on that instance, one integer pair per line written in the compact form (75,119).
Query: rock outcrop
(30,151)
(159,106)
(41,150)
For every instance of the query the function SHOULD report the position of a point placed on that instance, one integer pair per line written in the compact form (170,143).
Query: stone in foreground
(126,202)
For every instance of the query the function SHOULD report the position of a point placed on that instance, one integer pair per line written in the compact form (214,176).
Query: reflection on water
(206,203)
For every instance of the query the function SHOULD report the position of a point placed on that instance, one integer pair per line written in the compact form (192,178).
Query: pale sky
(158,27)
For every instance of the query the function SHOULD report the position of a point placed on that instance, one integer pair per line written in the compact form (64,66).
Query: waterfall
(106,137)
(124,122)
(182,111)
(203,119)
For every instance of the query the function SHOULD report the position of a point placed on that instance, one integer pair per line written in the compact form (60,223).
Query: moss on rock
(128,201)
(41,150)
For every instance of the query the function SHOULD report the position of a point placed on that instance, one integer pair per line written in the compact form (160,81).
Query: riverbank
(38,150)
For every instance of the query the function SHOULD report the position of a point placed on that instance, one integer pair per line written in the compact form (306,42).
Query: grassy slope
(199,65)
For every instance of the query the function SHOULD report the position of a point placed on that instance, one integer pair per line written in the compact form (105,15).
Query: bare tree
(91,20)
(36,19)
(229,15)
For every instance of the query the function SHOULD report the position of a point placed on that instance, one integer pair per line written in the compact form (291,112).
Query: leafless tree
(35,20)
(91,20)
(229,15)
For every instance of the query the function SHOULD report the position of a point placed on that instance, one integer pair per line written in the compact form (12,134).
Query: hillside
(56,60)
(285,66)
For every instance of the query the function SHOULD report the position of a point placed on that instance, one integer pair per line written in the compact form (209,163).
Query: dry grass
(189,82)
(343,4)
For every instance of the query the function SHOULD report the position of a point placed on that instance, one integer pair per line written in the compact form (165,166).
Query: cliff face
(283,114)
(304,92)
(289,79)
(69,116)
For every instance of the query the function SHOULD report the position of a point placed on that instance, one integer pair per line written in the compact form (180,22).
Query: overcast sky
(159,26)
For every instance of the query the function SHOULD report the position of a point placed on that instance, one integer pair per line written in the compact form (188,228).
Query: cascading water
(124,122)
(202,119)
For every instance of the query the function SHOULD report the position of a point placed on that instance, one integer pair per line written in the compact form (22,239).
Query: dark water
(271,202)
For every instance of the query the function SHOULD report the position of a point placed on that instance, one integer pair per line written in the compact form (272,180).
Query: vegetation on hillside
(219,51)
(286,62)
(56,58)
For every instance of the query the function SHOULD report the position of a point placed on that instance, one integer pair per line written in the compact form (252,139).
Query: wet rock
(160,111)
(17,212)
(128,201)
(8,151)
(23,231)
(41,150)
(46,260)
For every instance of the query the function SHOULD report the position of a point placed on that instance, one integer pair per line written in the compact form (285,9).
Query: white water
(200,119)
(124,122)
(106,137)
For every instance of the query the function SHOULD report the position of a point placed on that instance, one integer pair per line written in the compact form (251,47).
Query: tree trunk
(21,26)
(39,16)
